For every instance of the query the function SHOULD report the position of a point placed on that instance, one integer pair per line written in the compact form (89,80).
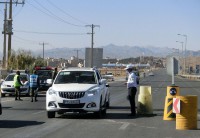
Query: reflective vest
(33,80)
(16,82)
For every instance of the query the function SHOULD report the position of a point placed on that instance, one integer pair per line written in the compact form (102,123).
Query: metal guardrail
(191,77)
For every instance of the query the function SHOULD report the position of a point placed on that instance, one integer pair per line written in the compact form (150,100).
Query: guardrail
(191,77)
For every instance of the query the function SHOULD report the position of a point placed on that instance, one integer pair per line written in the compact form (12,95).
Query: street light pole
(181,52)
(185,51)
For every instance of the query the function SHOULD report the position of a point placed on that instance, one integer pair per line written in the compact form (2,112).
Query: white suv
(78,90)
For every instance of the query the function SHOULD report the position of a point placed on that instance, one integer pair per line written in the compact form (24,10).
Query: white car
(78,90)
(7,85)
(109,76)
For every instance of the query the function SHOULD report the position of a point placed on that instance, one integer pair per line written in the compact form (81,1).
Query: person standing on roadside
(55,73)
(17,85)
(34,86)
(132,88)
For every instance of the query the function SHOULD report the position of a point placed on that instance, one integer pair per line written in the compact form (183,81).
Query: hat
(129,67)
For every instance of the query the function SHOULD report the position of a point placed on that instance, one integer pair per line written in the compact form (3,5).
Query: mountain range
(112,51)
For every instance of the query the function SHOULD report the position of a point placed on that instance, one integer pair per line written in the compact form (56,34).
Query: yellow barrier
(187,119)
(145,101)
(172,92)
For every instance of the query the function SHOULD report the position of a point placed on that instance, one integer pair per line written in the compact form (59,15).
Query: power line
(51,33)
(52,15)
(66,13)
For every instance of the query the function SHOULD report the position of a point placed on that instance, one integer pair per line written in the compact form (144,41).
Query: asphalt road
(23,119)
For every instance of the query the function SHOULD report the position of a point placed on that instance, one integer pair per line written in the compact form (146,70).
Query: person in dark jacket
(34,86)
(55,73)
(17,85)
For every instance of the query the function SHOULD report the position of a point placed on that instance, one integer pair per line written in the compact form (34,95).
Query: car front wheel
(51,114)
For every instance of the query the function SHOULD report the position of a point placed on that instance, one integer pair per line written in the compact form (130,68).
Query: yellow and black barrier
(172,92)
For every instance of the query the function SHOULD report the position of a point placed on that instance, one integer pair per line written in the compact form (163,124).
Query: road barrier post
(145,101)
(172,92)
(187,118)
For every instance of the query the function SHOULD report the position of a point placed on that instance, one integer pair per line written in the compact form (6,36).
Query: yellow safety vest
(16,83)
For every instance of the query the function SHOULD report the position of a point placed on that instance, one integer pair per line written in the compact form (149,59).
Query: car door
(102,87)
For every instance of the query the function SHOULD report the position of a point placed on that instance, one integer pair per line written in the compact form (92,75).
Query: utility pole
(10,33)
(77,55)
(8,29)
(4,32)
(43,49)
(92,41)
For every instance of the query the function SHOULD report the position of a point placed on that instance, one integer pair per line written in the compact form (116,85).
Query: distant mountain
(111,51)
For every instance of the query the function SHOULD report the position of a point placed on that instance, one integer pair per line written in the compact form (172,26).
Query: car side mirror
(49,81)
(107,85)
(102,81)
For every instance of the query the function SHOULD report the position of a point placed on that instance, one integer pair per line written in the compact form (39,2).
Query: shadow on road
(18,123)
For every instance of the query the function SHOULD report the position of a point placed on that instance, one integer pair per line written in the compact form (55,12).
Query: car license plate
(71,101)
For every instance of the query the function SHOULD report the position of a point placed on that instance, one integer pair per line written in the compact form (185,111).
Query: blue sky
(61,23)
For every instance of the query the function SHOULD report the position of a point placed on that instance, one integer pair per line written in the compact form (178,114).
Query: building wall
(172,62)
(97,57)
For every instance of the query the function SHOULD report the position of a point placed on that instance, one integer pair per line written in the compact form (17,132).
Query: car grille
(71,95)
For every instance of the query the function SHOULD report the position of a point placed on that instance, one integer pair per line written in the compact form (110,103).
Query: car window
(10,77)
(23,78)
(75,77)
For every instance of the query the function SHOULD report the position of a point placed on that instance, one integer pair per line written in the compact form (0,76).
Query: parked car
(109,76)
(78,90)
(7,86)
(151,74)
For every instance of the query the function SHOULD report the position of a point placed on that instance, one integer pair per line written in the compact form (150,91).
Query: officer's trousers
(132,92)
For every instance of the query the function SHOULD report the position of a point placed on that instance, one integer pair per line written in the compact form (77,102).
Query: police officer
(132,88)
(17,85)
(34,85)
(55,73)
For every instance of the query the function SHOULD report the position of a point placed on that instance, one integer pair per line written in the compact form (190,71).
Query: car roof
(20,74)
(78,69)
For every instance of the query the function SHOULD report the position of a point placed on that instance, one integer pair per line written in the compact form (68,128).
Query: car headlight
(92,92)
(4,85)
(51,92)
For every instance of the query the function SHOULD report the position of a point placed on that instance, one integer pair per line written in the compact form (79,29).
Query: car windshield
(44,73)
(87,77)
(10,77)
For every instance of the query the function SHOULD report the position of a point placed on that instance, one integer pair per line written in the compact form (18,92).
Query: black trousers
(33,93)
(17,92)
(131,93)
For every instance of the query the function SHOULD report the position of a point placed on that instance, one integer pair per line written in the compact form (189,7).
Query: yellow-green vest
(16,83)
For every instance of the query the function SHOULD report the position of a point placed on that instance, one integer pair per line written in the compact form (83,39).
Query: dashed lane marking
(124,126)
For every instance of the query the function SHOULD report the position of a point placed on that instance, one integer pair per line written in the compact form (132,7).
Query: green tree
(21,60)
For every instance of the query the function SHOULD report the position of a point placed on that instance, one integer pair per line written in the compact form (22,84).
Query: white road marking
(38,112)
(7,100)
(124,126)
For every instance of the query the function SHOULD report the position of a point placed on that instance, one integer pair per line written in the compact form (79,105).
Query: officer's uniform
(34,85)
(17,85)
(132,88)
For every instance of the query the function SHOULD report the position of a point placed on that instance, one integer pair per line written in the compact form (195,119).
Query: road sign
(176,105)
(173,91)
